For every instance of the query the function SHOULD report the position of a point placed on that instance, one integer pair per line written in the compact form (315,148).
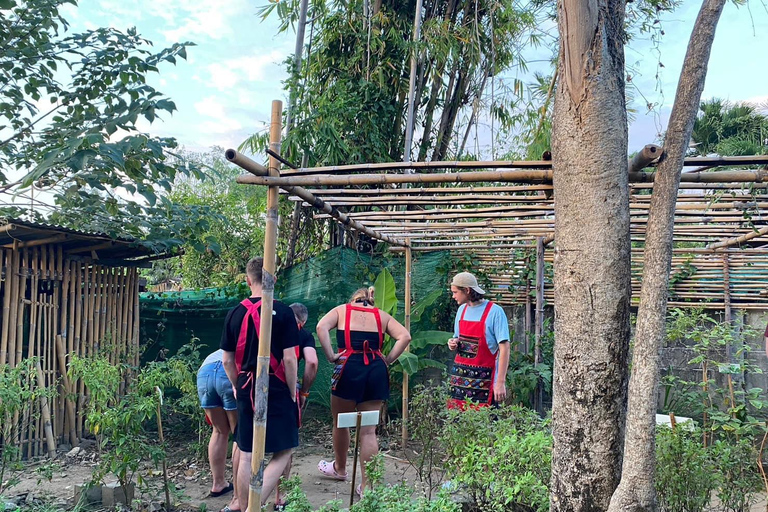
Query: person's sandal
(327,469)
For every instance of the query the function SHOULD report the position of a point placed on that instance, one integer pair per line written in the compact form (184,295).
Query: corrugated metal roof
(107,249)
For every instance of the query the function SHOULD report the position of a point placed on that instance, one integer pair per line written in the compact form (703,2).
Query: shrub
(684,471)
(501,458)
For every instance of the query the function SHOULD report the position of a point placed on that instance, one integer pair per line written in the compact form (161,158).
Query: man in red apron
(240,343)
(481,342)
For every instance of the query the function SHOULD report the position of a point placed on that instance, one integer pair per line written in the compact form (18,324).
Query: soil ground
(192,477)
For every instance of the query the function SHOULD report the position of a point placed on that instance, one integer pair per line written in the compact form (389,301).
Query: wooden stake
(261,381)
(354,463)
(162,442)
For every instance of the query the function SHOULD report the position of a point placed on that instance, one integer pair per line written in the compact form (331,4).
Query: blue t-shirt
(496,325)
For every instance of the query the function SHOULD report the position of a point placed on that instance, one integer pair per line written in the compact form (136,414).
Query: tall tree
(352,87)
(592,256)
(69,111)
(636,491)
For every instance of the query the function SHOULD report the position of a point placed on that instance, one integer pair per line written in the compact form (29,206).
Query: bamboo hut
(65,292)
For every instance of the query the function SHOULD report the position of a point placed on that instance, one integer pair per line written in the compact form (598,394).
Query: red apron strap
(486,311)
(251,313)
(347,336)
(377,314)
(463,312)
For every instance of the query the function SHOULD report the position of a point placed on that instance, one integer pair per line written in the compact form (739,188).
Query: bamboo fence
(56,303)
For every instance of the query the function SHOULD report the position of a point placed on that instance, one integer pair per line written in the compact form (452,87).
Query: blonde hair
(362,295)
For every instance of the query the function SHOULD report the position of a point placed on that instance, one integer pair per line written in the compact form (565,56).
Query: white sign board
(349,419)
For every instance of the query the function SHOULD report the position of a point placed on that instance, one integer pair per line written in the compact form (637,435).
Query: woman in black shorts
(360,379)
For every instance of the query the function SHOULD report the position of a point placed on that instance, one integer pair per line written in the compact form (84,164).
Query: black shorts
(282,418)
(363,383)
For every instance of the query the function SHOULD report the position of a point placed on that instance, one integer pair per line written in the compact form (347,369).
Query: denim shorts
(214,388)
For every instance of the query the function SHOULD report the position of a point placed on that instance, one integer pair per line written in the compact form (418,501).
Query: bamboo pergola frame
(497,211)
(512,206)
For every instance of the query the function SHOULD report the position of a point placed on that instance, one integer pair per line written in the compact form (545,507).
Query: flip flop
(227,509)
(327,469)
(229,488)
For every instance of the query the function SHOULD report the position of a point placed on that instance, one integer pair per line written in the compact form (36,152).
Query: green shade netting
(170,320)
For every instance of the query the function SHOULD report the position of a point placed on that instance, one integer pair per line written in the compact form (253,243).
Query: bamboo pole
(495,164)
(112,325)
(261,381)
(93,313)
(136,313)
(538,398)
(23,270)
(644,157)
(67,385)
(78,341)
(51,443)
(316,202)
(408,300)
(11,279)
(98,313)
(739,239)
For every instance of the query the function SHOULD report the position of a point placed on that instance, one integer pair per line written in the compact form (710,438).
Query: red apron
(474,366)
(369,354)
(276,369)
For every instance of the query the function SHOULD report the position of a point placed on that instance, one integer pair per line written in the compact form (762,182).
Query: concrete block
(113,493)
(92,494)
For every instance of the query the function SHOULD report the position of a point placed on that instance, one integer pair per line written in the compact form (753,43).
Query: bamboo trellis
(55,303)
(492,209)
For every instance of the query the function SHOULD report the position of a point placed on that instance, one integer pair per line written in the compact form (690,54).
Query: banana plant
(385,298)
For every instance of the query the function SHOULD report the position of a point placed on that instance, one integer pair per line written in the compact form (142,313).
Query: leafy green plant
(122,422)
(426,418)
(15,397)
(500,457)
(71,105)
(684,471)
(421,340)
(739,482)
(726,411)
(376,498)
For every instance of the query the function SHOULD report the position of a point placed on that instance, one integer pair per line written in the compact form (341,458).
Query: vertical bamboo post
(407,293)
(32,346)
(727,291)
(10,278)
(70,419)
(538,398)
(261,382)
(21,297)
(134,298)
(112,313)
(15,303)
(46,413)
(78,342)
(98,283)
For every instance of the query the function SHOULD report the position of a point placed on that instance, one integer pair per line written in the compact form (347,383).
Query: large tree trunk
(592,257)
(636,491)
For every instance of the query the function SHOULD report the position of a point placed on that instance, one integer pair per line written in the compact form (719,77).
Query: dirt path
(191,479)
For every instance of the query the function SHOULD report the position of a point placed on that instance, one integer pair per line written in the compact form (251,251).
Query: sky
(224,90)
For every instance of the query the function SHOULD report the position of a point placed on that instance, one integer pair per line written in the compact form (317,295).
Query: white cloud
(249,68)
(220,122)
(192,19)
(222,76)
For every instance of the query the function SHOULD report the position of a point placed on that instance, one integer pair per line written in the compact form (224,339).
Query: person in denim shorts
(217,399)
